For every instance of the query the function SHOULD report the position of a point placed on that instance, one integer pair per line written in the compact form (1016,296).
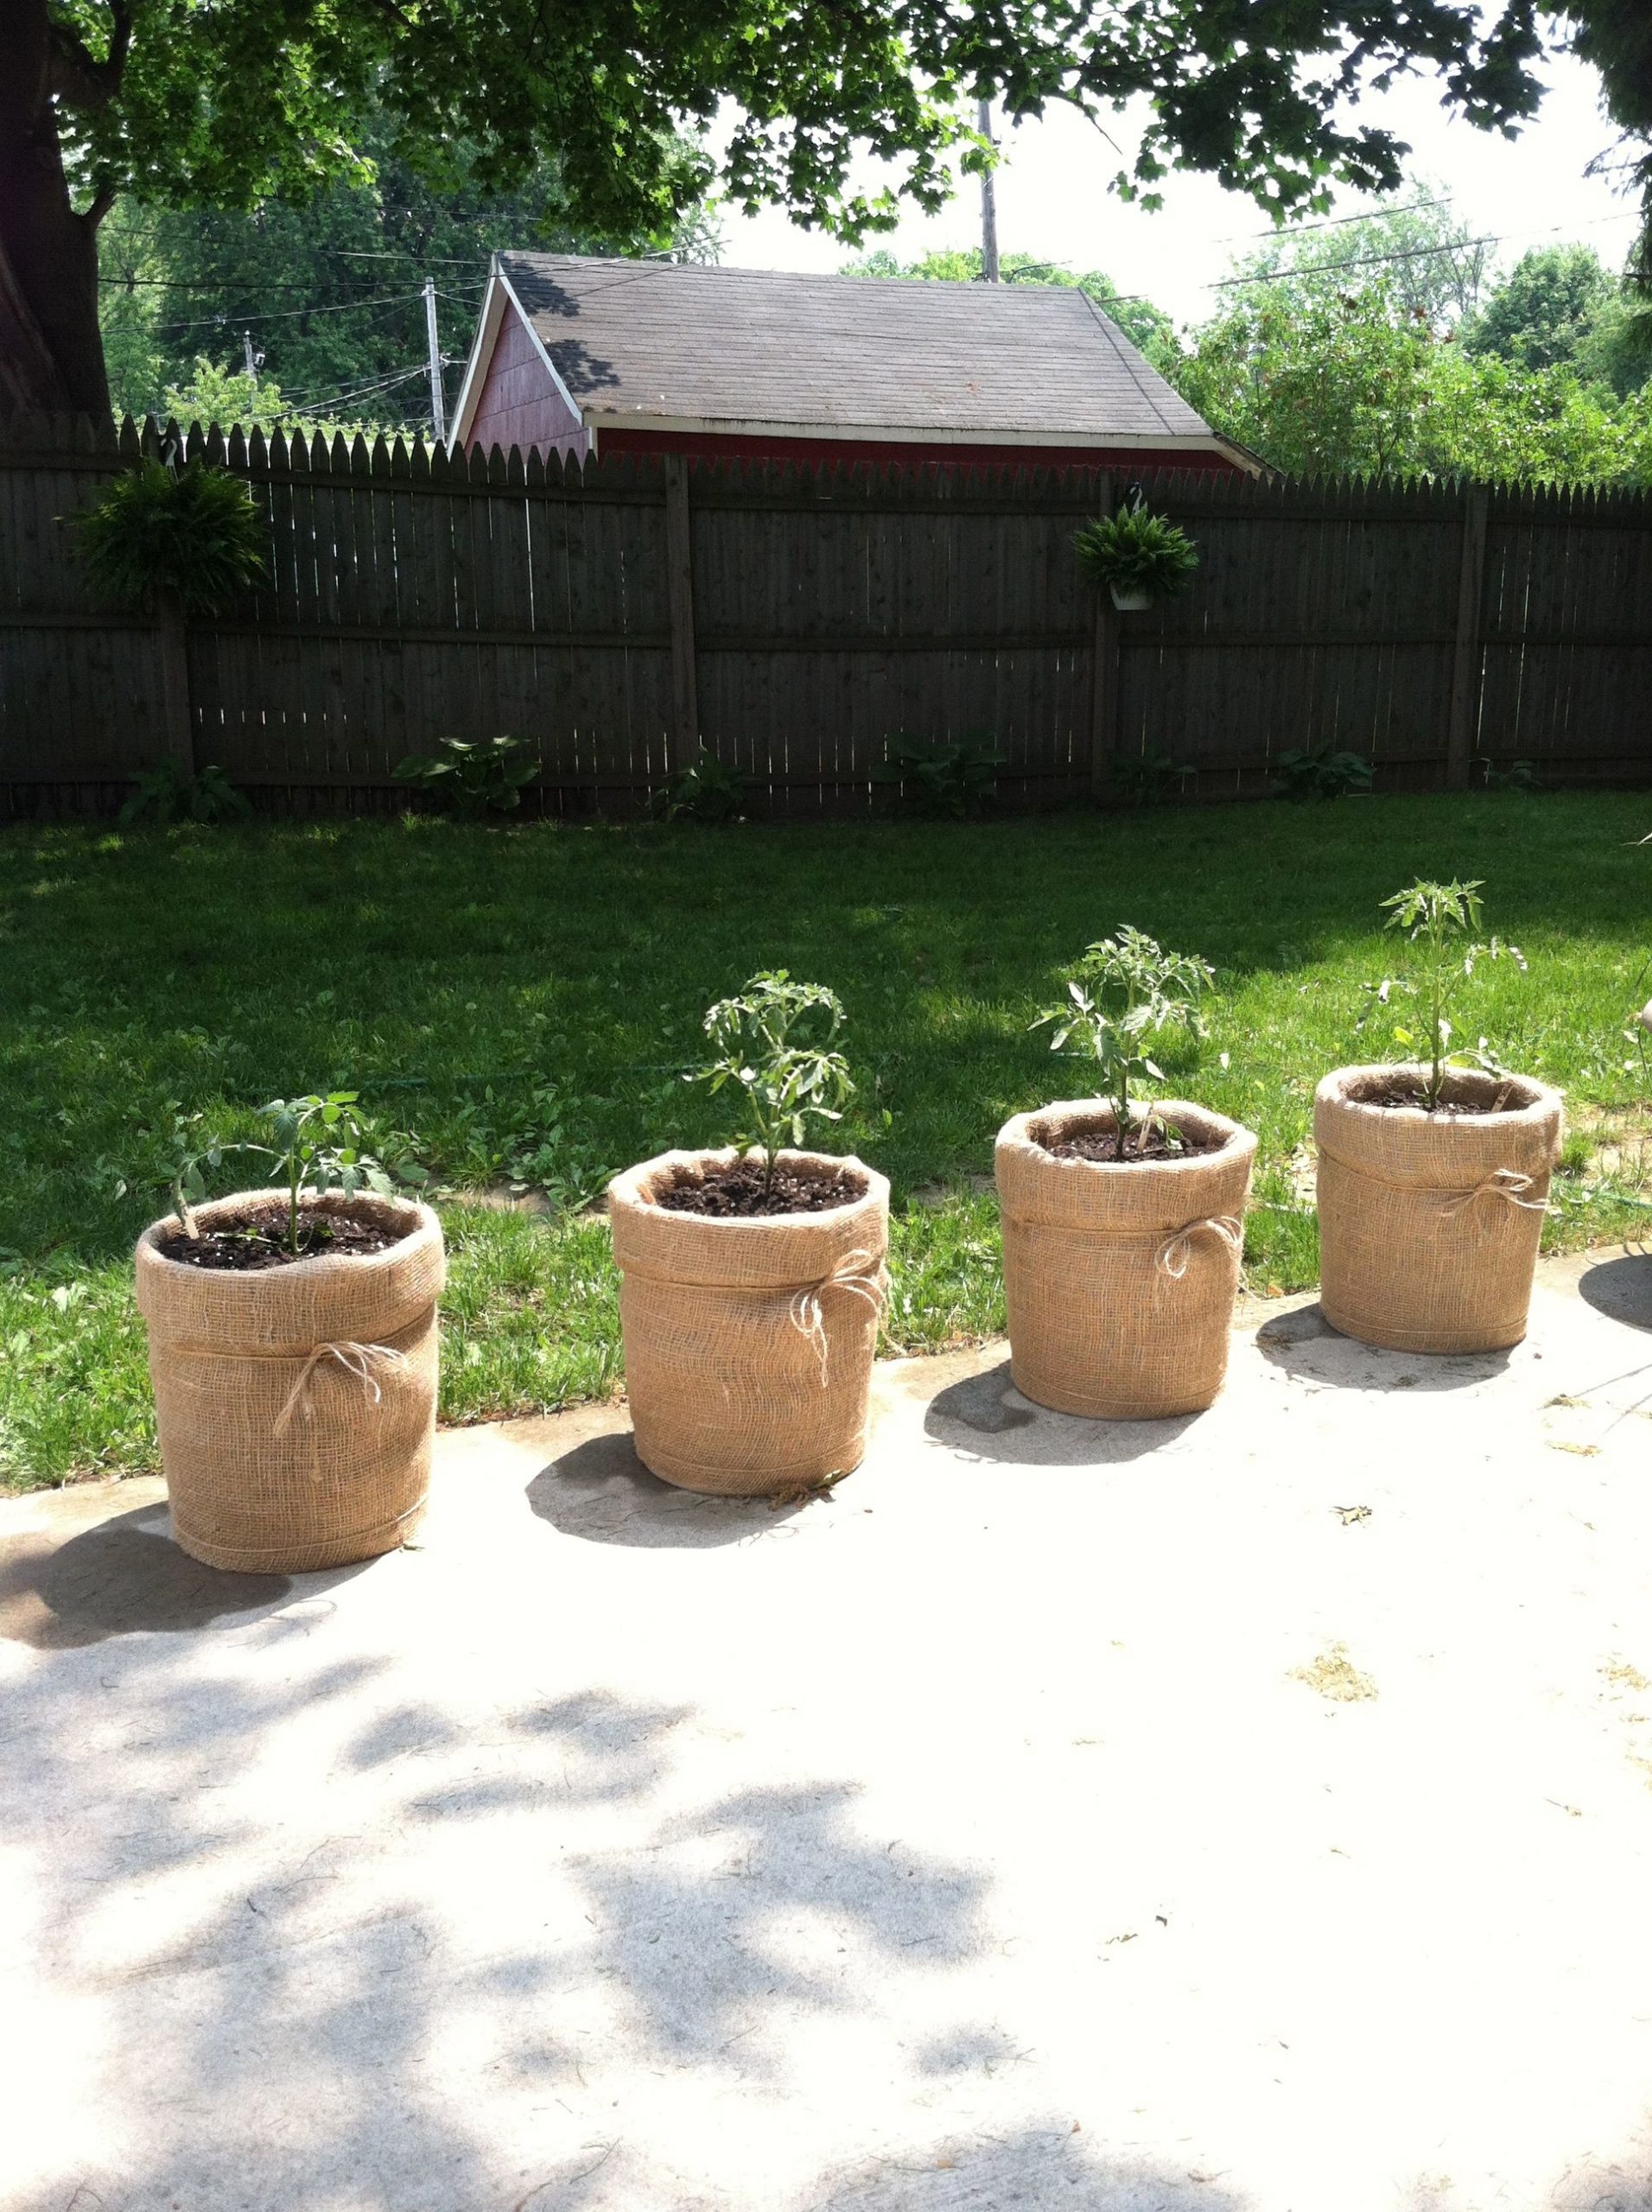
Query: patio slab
(1250,1811)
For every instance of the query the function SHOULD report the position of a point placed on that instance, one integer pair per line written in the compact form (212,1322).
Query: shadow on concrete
(1054,2164)
(987,1417)
(601,1491)
(1304,1343)
(121,1578)
(327,1979)
(1620,1288)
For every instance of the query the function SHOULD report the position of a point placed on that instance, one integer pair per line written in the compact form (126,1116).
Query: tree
(1561,306)
(1432,265)
(1545,309)
(1145,325)
(329,291)
(228,103)
(1317,381)
(1349,382)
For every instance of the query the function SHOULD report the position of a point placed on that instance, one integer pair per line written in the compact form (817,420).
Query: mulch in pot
(1404,1090)
(740,1192)
(1160,1144)
(257,1239)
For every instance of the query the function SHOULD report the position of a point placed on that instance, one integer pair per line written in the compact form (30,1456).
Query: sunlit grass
(523,1002)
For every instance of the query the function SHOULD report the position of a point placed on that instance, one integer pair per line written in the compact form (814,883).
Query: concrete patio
(1244,1812)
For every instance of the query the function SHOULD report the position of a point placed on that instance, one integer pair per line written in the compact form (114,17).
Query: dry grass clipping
(1334,1675)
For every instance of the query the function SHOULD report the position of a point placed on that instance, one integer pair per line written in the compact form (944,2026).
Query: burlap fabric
(748,1342)
(296,1406)
(1120,1279)
(1429,1225)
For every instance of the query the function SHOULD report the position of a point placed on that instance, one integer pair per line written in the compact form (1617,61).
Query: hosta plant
(170,793)
(708,790)
(475,777)
(1126,991)
(953,781)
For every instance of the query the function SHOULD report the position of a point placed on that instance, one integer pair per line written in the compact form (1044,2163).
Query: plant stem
(292,1202)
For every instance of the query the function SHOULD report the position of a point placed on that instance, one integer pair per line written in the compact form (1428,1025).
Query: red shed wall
(520,404)
(707,445)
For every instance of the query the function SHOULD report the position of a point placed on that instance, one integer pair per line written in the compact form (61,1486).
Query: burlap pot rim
(1070,1117)
(1160,1195)
(736,1249)
(257,1295)
(1531,1103)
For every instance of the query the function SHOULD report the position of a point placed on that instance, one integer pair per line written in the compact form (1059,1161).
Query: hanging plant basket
(1136,556)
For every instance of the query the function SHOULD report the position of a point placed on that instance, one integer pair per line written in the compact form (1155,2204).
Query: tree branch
(75,74)
(102,200)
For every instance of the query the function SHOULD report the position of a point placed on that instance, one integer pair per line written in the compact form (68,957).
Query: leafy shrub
(786,1076)
(1507,775)
(169,794)
(1124,991)
(1436,919)
(1135,549)
(1150,778)
(1322,773)
(955,781)
(526,1143)
(196,536)
(708,790)
(472,777)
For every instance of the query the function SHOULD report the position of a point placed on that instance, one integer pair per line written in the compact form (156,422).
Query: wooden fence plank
(796,619)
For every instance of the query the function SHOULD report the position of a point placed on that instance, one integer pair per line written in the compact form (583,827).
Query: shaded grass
(523,1000)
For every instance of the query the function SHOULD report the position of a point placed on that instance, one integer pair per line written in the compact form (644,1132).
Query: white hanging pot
(1130,598)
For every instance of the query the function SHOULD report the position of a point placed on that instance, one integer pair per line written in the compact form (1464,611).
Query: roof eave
(905,434)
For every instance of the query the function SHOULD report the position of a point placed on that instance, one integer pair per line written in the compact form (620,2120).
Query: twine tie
(1501,1183)
(862,1273)
(1174,1254)
(355,1359)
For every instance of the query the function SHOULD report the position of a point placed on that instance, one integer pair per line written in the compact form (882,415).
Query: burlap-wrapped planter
(748,1342)
(1429,1225)
(296,1405)
(1120,1277)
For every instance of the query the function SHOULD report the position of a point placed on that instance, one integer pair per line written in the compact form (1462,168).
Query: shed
(579,355)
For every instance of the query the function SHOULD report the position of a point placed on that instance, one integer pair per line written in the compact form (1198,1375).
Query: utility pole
(989,205)
(438,400)
(254,361)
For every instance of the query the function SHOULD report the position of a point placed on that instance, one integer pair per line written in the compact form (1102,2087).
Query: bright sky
(1052,199)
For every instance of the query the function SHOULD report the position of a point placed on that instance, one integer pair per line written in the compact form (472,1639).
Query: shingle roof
(635,340)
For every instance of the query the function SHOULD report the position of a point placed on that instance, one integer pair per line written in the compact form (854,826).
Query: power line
(1332,222)
(286,314)
(1374,260)
(312,400)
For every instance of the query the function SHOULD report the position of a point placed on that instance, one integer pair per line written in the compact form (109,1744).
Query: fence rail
(622,614)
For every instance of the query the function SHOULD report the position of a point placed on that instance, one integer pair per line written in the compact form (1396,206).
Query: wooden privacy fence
(794,621)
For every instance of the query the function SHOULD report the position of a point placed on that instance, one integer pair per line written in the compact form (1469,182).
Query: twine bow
(1501,1183)
(857,1272)
(1174,1254)
(355,1359)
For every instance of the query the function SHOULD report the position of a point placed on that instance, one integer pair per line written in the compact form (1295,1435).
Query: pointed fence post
(1465,657)
(684,738)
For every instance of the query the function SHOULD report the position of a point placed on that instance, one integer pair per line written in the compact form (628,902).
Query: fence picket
(413,595)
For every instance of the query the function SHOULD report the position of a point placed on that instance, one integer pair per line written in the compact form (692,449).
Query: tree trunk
(51,346)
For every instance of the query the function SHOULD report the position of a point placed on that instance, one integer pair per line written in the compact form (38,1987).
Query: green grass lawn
(523,1000)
